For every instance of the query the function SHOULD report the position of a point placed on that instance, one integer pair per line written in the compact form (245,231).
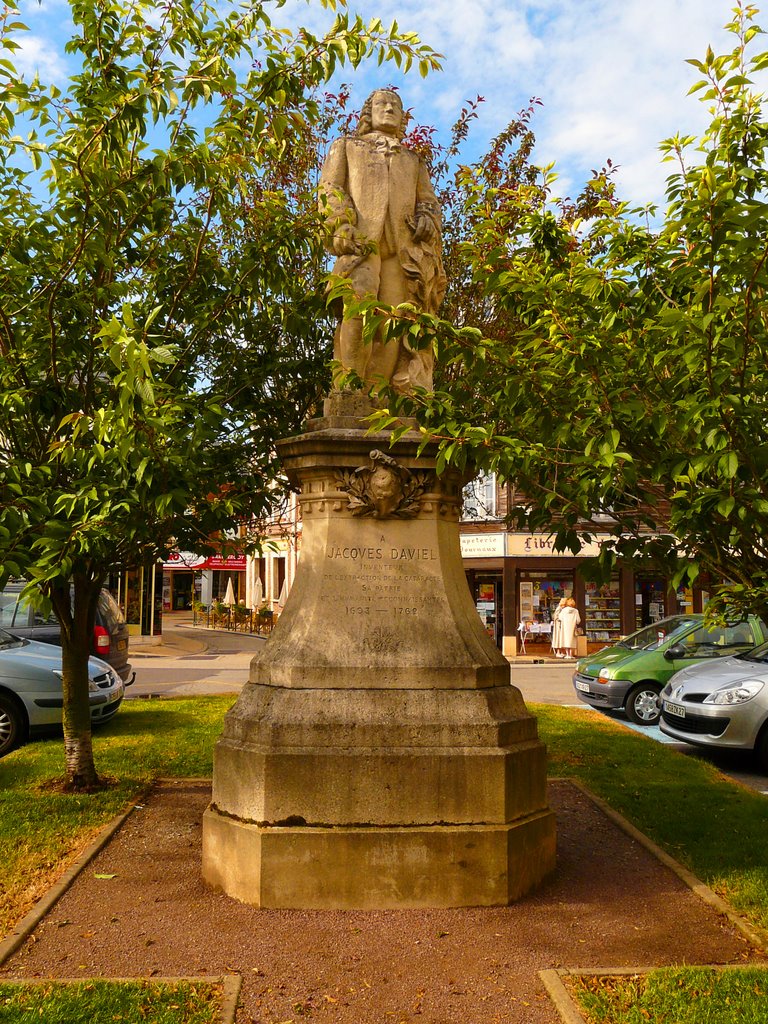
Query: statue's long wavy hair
(365,123)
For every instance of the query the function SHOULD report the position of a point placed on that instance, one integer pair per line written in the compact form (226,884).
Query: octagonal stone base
(378,869)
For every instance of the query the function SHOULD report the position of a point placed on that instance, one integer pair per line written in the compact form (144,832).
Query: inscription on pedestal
(381,580)
(395,555)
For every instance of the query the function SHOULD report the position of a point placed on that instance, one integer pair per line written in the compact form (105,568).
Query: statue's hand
(424,229)
(344,241)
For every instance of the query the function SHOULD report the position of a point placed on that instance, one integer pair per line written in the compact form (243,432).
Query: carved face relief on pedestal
(383,489)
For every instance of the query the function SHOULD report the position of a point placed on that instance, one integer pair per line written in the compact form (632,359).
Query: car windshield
(649,637)
(9,640)
(759,655)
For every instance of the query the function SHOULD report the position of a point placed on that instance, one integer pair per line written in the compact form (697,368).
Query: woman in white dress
(557,630)
(569,619)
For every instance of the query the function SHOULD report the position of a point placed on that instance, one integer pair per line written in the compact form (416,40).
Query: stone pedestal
(378,756)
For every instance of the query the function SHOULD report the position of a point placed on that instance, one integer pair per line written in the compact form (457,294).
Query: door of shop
(649,600)
(488,597)
(539,594)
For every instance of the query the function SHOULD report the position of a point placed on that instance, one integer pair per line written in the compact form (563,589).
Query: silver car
(721,704)
(30,689)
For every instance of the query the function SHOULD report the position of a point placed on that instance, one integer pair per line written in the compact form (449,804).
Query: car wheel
(11,725)
(643,706)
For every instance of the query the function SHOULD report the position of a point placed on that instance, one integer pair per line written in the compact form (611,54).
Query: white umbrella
(283,595)
(258,593)
(229,597)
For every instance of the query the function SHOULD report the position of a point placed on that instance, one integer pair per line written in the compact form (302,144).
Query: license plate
(674,709)
(584,687)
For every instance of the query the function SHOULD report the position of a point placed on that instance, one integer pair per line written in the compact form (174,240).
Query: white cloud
(42,47)
(611,74)
(616,85)
(38,56)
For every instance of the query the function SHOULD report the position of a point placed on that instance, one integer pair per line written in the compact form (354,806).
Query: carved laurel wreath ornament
(383,489)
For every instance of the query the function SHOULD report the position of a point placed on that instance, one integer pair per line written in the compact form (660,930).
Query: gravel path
(610,903)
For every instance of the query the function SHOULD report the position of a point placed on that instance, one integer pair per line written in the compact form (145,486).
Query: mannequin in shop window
(569,619)
(557,630)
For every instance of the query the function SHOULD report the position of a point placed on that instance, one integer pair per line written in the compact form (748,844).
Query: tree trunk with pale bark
(77,616)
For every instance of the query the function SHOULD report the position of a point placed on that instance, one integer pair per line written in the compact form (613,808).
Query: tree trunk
(77,617)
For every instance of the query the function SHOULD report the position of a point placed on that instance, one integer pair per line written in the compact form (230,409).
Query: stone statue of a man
(384,226)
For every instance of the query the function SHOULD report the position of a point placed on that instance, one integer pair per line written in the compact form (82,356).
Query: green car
(631,674)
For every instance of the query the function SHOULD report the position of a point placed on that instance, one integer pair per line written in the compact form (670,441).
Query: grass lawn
(686,995)
(130,1002)
(712,825)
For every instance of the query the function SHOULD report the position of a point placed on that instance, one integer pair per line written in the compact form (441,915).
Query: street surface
(192,660)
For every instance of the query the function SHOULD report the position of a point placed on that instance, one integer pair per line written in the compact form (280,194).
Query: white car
(721,704)
(31,698)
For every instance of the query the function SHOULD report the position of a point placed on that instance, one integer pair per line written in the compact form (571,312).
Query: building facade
(517,580)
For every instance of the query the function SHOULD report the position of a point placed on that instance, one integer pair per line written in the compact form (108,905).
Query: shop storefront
(489,601)
(483,556)
(539,594)
(139,593)
(226,571)
(188,577)
(650,600)
(517,581)
(602,612)
(179,572)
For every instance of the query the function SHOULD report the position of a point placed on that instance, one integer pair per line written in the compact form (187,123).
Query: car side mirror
(675,652)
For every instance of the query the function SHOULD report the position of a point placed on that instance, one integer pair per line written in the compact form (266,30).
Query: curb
(552,979)
(230,985)
(178,646)
(755,935)
(230,997)
(45,904)
(561,997)
(11,942)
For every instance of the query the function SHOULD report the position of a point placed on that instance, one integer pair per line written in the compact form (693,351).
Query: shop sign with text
(542,545)
(235,563)
(189,560)
(482,545)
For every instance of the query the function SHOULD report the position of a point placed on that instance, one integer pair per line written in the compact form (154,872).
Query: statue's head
(382,111)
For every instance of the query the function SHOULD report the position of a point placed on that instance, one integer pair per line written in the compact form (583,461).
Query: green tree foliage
(614,360)
(159,321)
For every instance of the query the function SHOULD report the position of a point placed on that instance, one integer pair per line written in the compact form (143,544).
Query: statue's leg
(393,291)
(349,348)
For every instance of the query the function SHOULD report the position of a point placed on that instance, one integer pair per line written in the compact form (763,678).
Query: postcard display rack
(602,613)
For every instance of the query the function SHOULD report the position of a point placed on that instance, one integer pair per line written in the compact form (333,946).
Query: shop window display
(488,603)
(602,621)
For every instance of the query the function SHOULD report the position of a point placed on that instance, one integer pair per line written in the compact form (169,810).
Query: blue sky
(611,73)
